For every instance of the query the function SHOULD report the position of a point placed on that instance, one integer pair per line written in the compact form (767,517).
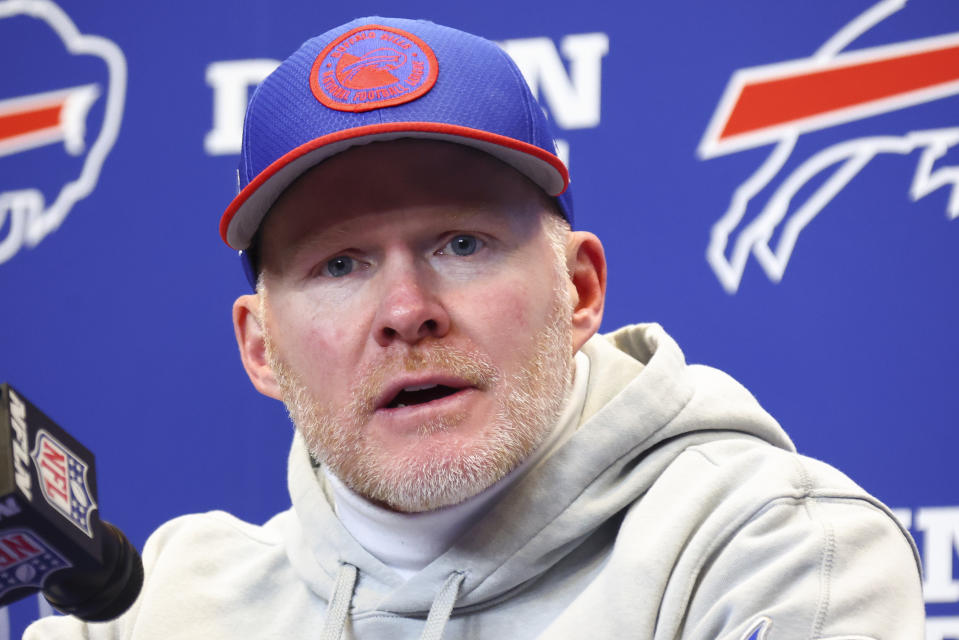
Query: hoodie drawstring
(442,607)
(339,607)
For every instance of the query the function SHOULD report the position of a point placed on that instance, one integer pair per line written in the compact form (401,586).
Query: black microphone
(51,535)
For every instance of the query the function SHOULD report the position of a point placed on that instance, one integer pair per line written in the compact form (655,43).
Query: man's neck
(407,542)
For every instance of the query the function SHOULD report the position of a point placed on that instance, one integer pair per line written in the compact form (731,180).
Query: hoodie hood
(644,406)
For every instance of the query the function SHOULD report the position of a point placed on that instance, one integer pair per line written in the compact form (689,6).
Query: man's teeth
(420,388)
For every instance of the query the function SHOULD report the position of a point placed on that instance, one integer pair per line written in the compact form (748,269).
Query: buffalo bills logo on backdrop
(372,67)
(61,102)
(63,481)
(26,560)
(780,103)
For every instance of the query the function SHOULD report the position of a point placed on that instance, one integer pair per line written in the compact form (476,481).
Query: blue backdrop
(775,183)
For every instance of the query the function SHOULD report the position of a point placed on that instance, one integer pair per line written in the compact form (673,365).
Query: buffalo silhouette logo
(53,141)
(372,70)
(777,104)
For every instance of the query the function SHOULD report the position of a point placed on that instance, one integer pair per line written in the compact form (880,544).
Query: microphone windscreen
(106,592)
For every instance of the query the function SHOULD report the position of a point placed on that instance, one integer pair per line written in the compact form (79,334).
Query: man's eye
(340,266)
(462,245)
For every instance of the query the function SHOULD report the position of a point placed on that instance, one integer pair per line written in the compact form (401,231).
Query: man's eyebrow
(337,234)
(329,236)
(473,211)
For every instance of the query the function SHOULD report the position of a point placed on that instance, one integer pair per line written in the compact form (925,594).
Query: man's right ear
(251,340)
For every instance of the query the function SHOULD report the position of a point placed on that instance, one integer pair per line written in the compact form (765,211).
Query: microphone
(51,536)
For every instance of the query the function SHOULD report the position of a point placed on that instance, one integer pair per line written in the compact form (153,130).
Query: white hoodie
(678,510)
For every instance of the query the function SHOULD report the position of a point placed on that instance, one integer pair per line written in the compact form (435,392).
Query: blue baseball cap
(377,79)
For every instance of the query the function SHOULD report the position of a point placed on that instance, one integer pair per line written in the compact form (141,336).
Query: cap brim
(242,218)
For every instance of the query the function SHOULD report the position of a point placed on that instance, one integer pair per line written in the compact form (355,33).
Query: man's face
(418,319)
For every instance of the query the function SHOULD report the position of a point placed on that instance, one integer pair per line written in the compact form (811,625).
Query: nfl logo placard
(26,560)
(63,481)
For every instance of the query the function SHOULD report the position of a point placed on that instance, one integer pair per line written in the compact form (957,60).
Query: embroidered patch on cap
(372,67)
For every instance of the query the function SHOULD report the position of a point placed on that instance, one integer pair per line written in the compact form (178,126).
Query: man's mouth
(420,394)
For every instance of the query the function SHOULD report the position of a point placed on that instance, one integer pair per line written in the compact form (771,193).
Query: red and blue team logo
(372,67)
(61,103)
(26,560)
(63,481)
(783,105)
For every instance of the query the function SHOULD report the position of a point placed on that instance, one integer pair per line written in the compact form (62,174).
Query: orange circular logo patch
(372,67)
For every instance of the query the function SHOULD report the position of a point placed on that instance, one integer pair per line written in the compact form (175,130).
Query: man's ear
(586,264)
(252,342)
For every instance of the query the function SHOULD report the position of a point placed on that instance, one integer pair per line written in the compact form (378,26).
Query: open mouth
(410,396)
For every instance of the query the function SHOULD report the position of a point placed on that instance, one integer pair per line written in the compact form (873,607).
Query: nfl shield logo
(63,480)
(25,560)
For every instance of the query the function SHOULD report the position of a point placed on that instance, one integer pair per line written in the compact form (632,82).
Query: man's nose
(410,309)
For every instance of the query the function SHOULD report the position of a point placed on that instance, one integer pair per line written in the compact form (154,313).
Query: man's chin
(441,471)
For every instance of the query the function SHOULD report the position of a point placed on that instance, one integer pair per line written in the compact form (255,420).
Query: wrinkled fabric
(678,510)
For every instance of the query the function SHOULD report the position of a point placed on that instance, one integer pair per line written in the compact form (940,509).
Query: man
(471,460)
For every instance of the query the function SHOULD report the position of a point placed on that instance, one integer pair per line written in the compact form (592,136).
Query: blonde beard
(424,476)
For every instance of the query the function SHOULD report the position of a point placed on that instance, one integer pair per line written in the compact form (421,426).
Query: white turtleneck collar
(407,542)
